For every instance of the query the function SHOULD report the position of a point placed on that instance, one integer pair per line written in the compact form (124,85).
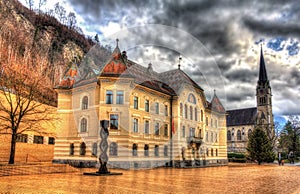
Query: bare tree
(30,4)
(41,4)
(72,20)
(23,102)
(60,12)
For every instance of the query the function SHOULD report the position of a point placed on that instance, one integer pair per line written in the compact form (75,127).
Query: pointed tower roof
(116,65)
(263,78)
(216,104)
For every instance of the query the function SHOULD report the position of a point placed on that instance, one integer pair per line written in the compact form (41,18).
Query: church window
(249,133)
(206,121)
(211,136)
(185,111)
(216,123)
(206,136)
(84,103)
(113,149)
(120,97)
(165,150)
(192,99)
(109,97)
(72,149)
(147,105)
(135,125)
(82,149)
(228,135)
(192,132)
(201,115)
(146,130)
(146,150)
(134,150)
(181,109)
(191,112)
(83,125)
(239,135)
(196,115)
(114,121)
(135,102)
(94,150)
(156,150)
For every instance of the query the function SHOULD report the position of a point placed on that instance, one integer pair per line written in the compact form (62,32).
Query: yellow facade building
(156,119)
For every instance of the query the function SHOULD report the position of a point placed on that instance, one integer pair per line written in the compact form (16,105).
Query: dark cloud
(242,76)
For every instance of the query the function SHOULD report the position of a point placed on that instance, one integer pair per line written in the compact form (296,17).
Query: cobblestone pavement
(237,178)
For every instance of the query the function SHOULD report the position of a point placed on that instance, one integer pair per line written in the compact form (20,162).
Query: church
(241,122)
(155,119)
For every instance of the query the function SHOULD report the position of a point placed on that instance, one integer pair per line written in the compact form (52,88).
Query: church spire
(263,77)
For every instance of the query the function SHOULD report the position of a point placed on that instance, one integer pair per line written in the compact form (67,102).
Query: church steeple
(263,77)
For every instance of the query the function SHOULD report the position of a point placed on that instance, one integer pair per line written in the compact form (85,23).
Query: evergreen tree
(259,147)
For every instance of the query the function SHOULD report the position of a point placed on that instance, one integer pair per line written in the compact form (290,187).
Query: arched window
(228,135)
(113,149)
(196,114)
(249,133)
(83,125)
(82,149)
(191,112)
(192,99)
(72,149)
(94,150)
(185,111)
(181,109)
(84,103)
(134,149)
(146,150)
(239,135)
(201,115)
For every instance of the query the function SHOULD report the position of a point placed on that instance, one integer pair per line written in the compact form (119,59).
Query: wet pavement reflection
(226,179)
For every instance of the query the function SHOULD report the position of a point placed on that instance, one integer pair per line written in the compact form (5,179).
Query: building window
(83,125)
(84,103)
(196,114)
(146,150)
(211,137)
(94,150)
(109,97)
(113,149)
(166,130)
(211,122)
(156,150)
(51,140)
(216,152)
(239,135)
(135,125)
(146,131)
(165,150)
(147,105)
(134,150)
(228,135)
(191,112)
(156,129)
(192,99)
(114,121)
(192,132)
(22,138)
(216,137)
(181,109)
(38,139)
(216,123)
(185,111)
(201,115)
(82,149)
(120,97)
(156,107)
(206,136)
(183,131)
(249,133)
(135,102)
(206,121)
(166,110)
(212,152)
(72,149)
(207,153)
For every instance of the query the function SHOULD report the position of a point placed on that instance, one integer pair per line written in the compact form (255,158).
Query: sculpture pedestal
(102,173)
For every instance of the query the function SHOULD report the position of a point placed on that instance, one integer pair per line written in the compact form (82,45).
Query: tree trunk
(12,148)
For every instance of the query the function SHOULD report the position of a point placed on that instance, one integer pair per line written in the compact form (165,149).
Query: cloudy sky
(219,42)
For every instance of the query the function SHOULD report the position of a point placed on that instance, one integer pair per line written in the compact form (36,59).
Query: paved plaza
(237,178)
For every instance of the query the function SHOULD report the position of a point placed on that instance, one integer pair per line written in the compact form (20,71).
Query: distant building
(156,119)
(241,122)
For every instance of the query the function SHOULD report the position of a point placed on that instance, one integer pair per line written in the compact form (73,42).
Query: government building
(155,119)
(241,122)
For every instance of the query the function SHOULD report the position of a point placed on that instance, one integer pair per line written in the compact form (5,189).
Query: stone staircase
(46,168)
